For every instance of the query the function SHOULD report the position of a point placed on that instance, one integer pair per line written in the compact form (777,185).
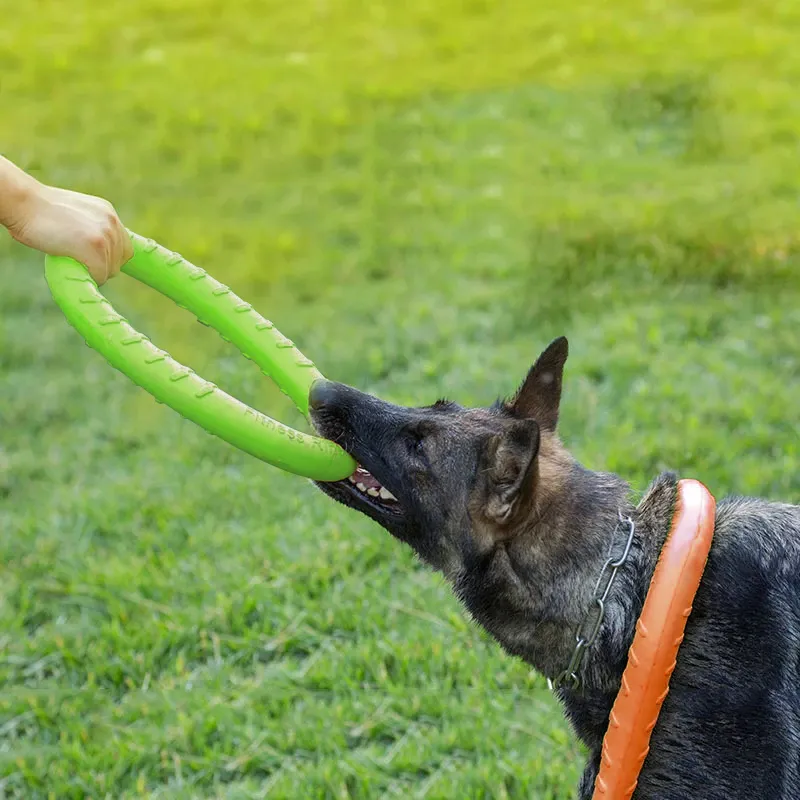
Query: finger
(97,257)
(99,272)
(123,247)
(116,251)
(127,246)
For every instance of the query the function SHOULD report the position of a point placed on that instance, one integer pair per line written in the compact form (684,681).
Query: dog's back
(731,723)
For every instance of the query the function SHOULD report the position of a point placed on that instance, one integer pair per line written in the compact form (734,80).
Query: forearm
(16,190)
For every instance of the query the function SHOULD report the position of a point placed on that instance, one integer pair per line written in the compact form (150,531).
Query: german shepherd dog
(492,499)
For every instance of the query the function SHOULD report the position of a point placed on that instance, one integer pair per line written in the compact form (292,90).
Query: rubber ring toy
(177,386)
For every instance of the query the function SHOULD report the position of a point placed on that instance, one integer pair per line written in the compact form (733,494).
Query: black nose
(323,393)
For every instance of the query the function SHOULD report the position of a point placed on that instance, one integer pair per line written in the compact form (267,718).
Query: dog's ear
(539,396)
(511,456)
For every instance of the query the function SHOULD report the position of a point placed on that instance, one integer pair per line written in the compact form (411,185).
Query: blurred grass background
(421,195)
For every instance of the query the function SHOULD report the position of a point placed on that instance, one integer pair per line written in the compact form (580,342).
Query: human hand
(61,222)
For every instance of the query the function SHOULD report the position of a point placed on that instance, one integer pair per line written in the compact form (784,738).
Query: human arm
(62,222)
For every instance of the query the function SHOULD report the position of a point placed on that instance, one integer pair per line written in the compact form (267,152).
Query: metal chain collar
(570,677)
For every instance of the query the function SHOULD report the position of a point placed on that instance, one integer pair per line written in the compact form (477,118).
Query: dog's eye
(416,442)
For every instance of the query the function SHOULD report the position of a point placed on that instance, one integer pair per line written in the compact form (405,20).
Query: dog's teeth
(351,479)
(372,491)
(386,494)
(361,487)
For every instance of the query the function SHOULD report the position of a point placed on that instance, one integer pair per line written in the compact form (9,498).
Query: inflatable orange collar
(659,633)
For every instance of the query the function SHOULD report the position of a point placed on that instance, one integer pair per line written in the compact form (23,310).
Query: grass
(422,196)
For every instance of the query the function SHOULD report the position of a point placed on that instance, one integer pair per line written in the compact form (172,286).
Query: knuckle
(97,241)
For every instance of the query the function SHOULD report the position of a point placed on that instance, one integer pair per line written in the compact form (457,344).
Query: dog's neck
(560,547)
(598,508)
(537,586)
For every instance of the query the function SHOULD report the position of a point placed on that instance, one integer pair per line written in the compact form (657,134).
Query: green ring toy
(177,386)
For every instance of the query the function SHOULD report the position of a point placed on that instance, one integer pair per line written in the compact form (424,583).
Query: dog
(491,498)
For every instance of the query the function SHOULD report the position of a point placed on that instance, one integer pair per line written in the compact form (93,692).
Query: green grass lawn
(422,195)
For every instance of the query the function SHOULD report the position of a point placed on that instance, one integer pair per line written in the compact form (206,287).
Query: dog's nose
(322,393)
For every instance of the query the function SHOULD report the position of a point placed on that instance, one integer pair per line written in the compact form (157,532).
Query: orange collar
(659,633)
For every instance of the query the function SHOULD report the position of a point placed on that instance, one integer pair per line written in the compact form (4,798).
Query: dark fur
(492,499)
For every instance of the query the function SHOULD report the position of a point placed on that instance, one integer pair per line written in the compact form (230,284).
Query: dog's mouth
(362,491)
(367,484)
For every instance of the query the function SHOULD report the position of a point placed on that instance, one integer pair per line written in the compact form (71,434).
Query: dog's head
(450,481)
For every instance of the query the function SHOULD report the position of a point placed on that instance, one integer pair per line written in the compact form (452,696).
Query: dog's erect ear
(539,396)
(511,456)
